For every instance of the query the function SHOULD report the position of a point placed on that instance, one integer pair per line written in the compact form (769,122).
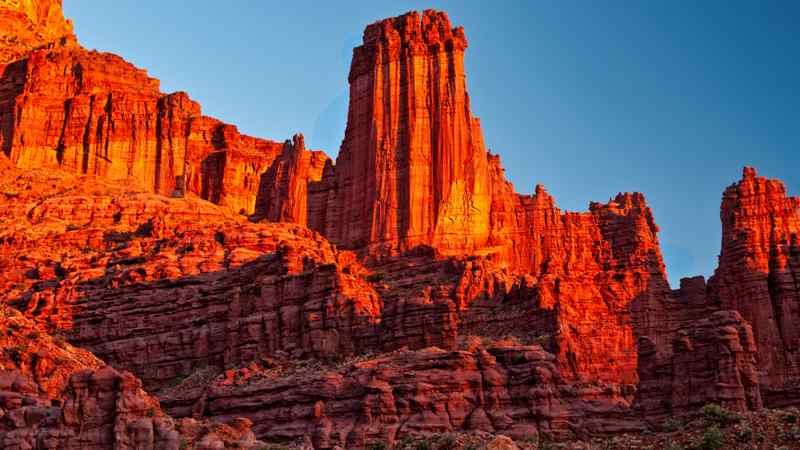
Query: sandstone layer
(405,290)
(54,395)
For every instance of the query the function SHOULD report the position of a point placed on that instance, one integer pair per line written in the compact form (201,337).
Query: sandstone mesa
(168,282)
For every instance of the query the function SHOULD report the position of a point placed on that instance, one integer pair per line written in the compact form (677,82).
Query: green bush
(719,415)
(713,439)
(422,445)
(446,442)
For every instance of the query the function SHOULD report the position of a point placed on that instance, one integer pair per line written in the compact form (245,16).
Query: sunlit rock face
(283,193)
(65,107)
(29,24)
(407,289)
(412,168)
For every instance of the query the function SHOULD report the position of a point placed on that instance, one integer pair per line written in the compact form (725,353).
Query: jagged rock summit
(168,282)
(29,24)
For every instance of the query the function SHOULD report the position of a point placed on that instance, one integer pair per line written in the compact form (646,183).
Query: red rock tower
(758,275)
(412,168)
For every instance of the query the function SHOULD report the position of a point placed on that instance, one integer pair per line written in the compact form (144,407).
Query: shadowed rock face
(458,304)
(54,395)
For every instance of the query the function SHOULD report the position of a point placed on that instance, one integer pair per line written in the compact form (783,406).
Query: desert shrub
(713,439)
(219,236)
(422,444)
(60,341)
(446,442)
(719,415)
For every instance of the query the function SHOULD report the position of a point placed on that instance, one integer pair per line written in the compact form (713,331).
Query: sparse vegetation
(422,445)
(713,439)
(718,415)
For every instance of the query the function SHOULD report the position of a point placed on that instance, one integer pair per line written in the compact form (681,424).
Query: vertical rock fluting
(759,276)
(412,168)
(283,192)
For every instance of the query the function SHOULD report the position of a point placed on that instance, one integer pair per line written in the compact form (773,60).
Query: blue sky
(587,98)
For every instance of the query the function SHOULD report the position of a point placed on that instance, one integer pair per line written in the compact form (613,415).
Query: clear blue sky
(670,98)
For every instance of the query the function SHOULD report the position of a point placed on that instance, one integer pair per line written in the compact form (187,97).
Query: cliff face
(29,24)
(93,113)
(283,195)
(504,387)
(408,283)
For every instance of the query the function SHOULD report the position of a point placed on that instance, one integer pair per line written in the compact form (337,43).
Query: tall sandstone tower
(412,168)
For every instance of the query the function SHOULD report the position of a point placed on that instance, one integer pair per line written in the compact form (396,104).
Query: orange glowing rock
(406,289)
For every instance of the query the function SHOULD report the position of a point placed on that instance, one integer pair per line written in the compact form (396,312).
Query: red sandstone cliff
(29,24)
(62,106)
(222,317)
(283,194)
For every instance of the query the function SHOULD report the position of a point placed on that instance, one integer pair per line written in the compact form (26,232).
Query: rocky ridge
(404,290)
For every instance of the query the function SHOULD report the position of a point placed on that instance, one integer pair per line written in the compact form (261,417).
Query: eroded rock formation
(407,289)
(412,168)
(505,387)
(29,24)
(54,395)
(759,276)
(284,192)
(62,106)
